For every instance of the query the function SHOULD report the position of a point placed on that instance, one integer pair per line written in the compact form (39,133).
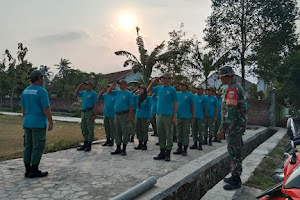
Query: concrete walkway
(57,118)
(90,175)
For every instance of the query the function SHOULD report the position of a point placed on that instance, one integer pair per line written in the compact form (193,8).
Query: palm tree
(145,64)
(63,66)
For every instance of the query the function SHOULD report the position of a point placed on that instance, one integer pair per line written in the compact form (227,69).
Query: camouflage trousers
(234,147)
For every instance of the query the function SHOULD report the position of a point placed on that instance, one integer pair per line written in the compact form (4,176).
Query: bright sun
(127,21)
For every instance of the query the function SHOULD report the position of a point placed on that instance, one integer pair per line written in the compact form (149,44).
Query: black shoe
(210,142)
(139,146)
(200,146)
(179,150)
(88,146)
(157,143)
(81,148)
(131,139)
(35,172)
(168,155)
(227,180)
(234,183)
(184,153)
(215,139)
(123,152)
(111,143)
(28,169)
(154,134)
(144,146)
(161,155)
(106,143)
(205,141)
(219,141)
(175,139)
(117,151)
(195,146)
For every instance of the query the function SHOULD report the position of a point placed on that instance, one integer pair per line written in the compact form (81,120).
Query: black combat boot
(88,146)
(139,146)
(184,153)
(174,139)
(123,152)
(205,141)
(233,183)
(144,146)
(179,150)
(117,151)
(161,155)
(228,180)
(81,148)
(195,146)
(28,169)
(106,143)
(200,146)
(35,172)
(111,143)
(157,143)
(168,155)
(209,142)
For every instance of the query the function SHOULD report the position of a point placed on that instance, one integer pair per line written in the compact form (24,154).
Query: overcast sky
(88,32)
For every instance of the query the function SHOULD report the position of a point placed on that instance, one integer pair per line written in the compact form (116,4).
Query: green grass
(261,177)
(64,136)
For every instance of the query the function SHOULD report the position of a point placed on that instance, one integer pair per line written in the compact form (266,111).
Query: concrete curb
(194,179)
(249,165)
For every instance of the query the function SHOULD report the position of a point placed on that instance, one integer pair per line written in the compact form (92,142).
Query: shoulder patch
(232,97)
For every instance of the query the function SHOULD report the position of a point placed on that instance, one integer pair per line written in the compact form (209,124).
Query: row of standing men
(128,111)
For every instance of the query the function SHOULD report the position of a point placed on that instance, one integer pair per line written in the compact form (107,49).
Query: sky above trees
(89,32)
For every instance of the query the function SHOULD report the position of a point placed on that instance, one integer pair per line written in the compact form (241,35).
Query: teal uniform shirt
(211,106)
(166,95)
(145,110)
(153,104)
(185,100)
(123,100)
(219,108)
(199,106)
(88,99)
(109,105)
(34,99)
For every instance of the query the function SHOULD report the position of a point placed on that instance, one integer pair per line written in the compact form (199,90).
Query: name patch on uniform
(34,92)
(232,97)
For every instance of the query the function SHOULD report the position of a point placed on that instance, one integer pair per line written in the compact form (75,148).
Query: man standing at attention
(88,113)
(200,112)
(123,111)
(36,110)
(109,114)
(218,122)
(233,124)
(185,117)
(166,114)
(211,115)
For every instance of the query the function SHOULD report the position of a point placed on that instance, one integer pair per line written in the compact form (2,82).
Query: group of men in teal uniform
(209,116)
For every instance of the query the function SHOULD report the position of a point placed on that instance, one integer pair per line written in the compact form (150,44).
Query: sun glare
(127,21)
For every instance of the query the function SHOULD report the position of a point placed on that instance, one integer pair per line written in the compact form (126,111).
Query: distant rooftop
(115,76)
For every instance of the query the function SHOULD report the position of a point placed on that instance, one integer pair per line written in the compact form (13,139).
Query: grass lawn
(63,136)
(261,177)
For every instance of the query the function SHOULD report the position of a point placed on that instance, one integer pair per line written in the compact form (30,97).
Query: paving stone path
(90,175)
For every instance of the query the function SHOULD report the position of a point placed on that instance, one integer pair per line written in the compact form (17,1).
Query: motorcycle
(289,188)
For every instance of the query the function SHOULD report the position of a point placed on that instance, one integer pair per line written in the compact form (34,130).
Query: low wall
(258,113)
(193,180)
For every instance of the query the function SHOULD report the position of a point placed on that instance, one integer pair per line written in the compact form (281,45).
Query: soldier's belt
(88,109)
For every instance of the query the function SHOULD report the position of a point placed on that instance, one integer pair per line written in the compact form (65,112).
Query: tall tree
(242,25)
(146,61)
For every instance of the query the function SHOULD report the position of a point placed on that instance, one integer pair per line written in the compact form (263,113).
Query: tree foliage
(247,27)
(146,61)
(287,81)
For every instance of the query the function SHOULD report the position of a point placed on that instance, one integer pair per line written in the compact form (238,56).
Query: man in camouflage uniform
(233,124)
